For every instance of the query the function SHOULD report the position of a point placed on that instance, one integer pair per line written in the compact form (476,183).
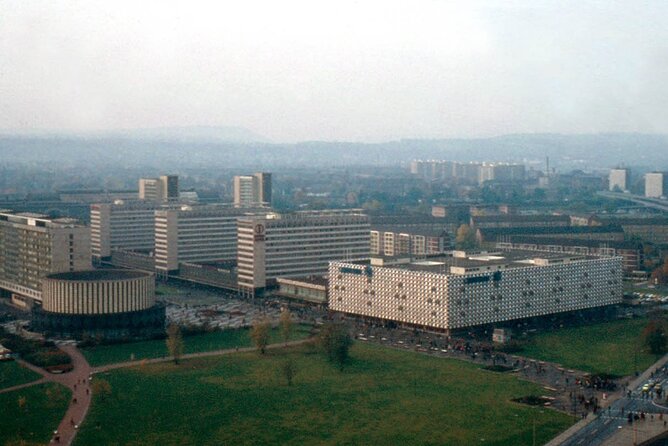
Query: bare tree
(286,324)
(174,342)
(289,371)
(101,388)
(260,333)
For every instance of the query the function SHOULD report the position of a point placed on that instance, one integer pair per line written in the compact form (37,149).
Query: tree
(22,402)
(260,333)
(654,336)
(466,239)
(289,371)
(336,341)
(101,388)
(174,342)
(286,324)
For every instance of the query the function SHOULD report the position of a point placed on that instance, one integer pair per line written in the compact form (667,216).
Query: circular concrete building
(111,304)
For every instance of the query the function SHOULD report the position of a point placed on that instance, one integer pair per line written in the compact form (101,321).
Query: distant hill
(191,134)
(210,147)
(199,134)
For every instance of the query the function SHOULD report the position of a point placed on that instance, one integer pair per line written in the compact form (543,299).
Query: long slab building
(453,292)
(35,245)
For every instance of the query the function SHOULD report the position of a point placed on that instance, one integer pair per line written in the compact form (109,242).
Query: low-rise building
(312,289)
(447,293)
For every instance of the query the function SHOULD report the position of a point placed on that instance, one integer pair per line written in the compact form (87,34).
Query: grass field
(383,397)
(108,354)
(12,374)
(36,421)
(608,347)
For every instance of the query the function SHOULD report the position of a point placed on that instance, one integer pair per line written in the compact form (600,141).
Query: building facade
(394,242)
(618,179)
(106,303)
(252,190)
(196,234)
(467,291)
(33,246)
(656,184)
(298,244)
(164,188)
(126,225)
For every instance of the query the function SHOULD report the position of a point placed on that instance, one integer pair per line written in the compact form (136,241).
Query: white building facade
(299,244)
(33,246)
(128,225)
(444,296)
(196,234)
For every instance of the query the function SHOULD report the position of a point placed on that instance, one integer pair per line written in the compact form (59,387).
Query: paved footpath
(78,381)
(228,351)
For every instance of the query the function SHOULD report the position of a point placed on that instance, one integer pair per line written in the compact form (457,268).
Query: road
(653,203)
(609,421)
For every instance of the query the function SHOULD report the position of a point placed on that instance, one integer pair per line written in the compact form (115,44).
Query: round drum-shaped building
(103,304)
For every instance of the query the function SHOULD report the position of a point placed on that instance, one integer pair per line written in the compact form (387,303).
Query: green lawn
(384,397)
(108,354)
(45,406)
(11,374)
(607,347)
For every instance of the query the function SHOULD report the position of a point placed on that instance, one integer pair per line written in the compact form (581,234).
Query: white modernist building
(252,190)
(656,184)
(33,246)
(128,225)
(448,293)
(618,179)
(298,244)
(196,234)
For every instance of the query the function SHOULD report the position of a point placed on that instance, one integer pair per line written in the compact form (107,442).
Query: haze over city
(331,223)
(348,71)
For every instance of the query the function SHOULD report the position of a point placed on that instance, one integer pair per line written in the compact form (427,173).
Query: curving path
(78,381)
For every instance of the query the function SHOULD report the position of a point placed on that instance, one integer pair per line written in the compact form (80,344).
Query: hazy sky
(339,70)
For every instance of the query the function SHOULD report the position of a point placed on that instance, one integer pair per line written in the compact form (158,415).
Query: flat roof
(514,258)
(98,275)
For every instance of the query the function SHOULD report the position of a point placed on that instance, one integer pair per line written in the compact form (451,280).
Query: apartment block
(196,234)
(656,184)
(164,188)
(298,244)
(618,179)
(127,225)
(33,246)
(252,190)
(401,241)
